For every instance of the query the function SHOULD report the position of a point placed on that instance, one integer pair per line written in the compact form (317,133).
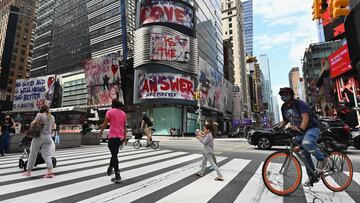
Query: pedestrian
(6,128)
(206,138)
(146,125)
(117,133)
(43,142)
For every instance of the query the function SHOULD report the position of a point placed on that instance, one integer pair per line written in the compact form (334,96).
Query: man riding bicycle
(296,112)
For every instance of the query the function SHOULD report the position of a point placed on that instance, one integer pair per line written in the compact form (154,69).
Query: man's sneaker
(310,182)
(321,165)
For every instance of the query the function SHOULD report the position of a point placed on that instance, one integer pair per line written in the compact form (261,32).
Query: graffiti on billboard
(103,79)
(163,11)
(164,86)
(216,92)
(169,47)
(31,94)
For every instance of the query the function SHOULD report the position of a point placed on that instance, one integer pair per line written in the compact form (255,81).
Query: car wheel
(357,143)
(264,143)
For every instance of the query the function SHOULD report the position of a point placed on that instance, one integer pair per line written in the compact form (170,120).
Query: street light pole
(199,104)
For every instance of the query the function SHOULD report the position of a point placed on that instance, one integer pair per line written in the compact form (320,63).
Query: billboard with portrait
(103,79)
(164,86)
(167,47)
(345,87)
(164,11)
(31,94)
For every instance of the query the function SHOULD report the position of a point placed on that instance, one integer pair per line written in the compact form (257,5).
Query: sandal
(219,179)
(49,175)
(199,174)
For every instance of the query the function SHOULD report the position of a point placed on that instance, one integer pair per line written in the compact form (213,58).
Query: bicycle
(138,137)
(280,179)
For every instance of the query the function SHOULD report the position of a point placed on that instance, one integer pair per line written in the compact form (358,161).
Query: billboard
(167,47)
(332,28)
(103,79)
(339,61)
(164,86)
(216,91)
(31,94)
(164,11)
(345,87)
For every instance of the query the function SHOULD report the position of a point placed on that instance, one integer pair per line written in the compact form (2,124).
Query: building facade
(311,69)
(294,77)
(17,21)
(267,91)
(229,62)
(233,30)
(70,32)
(248,26)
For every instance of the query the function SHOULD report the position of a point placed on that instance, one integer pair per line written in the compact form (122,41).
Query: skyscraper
(294,76)
(232,26)
(70,32)
(248,26)
(267,92)
(16,43)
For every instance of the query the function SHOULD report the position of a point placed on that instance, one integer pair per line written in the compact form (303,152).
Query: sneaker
(321,165)
(310,182)
(117,178)
(109,171)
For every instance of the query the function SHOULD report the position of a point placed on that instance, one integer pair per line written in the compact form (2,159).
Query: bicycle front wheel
(281,174)
(137,144)
(338,173)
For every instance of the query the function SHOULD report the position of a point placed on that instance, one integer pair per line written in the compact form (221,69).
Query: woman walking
(6,127)
(206,139)
(117,133)
(43,142)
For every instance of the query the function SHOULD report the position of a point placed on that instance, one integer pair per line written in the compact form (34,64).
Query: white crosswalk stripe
(163,175)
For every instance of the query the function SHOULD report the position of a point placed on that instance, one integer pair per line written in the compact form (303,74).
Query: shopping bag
(57,139)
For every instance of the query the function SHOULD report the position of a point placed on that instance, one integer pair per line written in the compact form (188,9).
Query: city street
(163,175)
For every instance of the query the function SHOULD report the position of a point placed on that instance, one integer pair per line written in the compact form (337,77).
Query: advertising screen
(164,86)
(169,47)
(163,11)
(339,62)
(31,94)
(103,79)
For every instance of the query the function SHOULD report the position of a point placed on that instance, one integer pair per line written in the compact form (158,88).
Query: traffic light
(316,9)
(340,8)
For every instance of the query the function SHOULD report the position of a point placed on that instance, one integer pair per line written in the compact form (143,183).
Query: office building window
(230,32)
(230,25)
(230,19)
(230,12)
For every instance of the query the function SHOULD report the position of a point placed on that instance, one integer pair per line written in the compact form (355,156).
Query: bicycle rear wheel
(338,173)
(137,144)
(281,175)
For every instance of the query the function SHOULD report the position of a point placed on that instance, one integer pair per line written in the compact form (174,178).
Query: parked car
(104,136)
(333,130)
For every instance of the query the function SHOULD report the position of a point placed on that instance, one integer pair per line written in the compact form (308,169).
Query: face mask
(285,98)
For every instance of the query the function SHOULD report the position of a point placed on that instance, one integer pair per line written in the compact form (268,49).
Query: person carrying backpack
(297,113)
(146,125)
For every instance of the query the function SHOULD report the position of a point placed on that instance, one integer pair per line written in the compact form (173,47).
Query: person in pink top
(117,134)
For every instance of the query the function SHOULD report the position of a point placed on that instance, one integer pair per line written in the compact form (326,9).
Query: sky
(282,31)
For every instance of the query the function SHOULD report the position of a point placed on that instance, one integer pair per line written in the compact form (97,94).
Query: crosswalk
(150,176)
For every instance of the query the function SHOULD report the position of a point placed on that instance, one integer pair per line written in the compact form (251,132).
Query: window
(22,59)
(230,25)
(22,52)
(230,32)
(225,32)
(230,12)
(10,81)
(230,19)
(11,73)
(229,5)
(12,65)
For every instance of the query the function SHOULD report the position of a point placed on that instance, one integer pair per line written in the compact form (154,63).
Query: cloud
(288,26)
(276,9)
